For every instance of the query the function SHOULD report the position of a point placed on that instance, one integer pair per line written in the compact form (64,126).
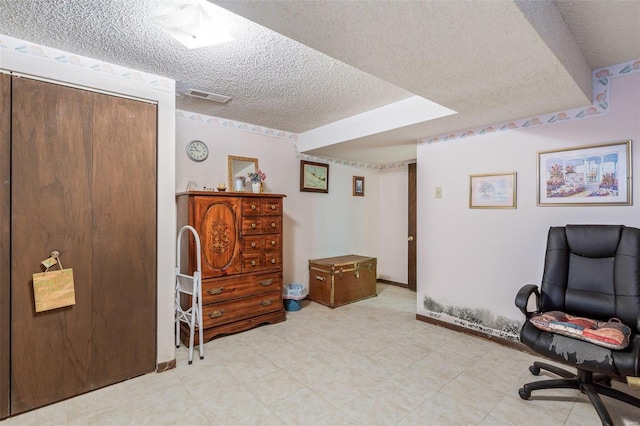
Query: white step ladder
(191,286)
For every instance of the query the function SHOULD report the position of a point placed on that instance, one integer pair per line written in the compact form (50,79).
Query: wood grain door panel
(5,227)
(83,182)
(412,218)
(51,210)
(124,239)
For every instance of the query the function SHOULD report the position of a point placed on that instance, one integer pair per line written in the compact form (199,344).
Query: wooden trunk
(337,281)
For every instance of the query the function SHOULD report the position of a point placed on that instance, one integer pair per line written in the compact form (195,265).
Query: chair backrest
(593,271)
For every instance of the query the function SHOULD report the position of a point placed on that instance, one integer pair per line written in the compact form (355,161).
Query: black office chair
(590,271)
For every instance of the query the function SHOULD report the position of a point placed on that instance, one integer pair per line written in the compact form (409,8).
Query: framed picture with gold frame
(493,191)
(358,186)
(314,177)
(595,175)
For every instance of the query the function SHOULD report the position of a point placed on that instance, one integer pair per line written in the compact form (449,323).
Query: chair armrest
(522,298)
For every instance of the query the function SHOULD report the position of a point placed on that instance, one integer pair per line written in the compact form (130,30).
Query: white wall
(480,258)
(315,225)
(86,72)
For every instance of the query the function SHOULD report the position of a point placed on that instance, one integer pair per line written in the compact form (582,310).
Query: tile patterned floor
(368,363)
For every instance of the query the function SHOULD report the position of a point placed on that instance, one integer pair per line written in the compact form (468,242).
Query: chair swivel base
(583,381)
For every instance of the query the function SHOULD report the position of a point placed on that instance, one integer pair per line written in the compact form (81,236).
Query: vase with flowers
(257,178)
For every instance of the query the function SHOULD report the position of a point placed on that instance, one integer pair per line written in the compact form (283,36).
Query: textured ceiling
(309,64)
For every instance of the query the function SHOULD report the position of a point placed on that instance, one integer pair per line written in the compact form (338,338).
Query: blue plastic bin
(292,294)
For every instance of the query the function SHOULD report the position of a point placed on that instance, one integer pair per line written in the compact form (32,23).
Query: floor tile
(367,363)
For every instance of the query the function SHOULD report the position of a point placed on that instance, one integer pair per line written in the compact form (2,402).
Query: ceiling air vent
(208,96)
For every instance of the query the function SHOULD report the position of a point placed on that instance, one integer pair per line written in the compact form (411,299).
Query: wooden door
(83,182)
(411,267)
(5,226)
(51,210)
(124,239)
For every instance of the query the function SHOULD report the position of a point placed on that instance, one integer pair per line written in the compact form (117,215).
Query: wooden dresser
(241,240)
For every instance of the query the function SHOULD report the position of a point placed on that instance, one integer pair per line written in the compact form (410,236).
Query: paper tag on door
(48,263)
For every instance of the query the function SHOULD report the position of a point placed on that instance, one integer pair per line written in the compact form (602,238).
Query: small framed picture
(358,186)
(314,177)
(493,191)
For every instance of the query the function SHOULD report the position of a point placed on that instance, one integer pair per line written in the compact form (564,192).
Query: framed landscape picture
(358,186)
(314,177)
(493,191)
(585,176)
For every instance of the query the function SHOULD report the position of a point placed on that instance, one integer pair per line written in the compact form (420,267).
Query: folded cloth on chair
(611,334)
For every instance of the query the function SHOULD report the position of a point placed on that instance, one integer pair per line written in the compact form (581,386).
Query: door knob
(410,238)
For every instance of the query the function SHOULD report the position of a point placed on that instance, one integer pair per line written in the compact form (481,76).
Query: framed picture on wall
(493,191)
(358,186)
(585,176)
(314,177)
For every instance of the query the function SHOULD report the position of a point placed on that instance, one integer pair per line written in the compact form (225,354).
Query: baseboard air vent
(208,96)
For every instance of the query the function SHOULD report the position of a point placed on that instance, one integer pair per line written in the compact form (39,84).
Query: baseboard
(397,284)
(165,366)
(501,340)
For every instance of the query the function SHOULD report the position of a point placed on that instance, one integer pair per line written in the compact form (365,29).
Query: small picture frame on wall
(586,176)
(314,177)
(493,191)
(358,186)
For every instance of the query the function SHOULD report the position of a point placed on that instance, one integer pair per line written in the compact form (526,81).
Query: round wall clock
(197,151)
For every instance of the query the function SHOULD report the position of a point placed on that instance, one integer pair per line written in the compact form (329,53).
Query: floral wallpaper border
(49,54)
(601,79)
(238,125)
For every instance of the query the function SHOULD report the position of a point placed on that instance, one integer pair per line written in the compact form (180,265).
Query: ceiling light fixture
(196,25)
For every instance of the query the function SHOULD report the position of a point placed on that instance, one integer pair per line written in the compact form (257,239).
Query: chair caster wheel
(190,362)
(534,370)
(201,357)
(524,394)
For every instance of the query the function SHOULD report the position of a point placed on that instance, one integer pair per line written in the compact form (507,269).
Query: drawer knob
(253,206)
(216,314)
(273,224)
(267,302)
(273,207)
(213,291)
(273,261)
(265,283)
(319,278)
(273,243)
(253,263)
(253,244)
(253,226)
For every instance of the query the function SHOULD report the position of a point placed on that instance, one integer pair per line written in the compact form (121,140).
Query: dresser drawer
(234,310)
(254,243)
(252,206)
(259,261)
(261,225)
(264,206)
(272,207)
(239,286)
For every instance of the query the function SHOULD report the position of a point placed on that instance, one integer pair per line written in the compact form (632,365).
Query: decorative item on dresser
(336,281)
(241,237)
